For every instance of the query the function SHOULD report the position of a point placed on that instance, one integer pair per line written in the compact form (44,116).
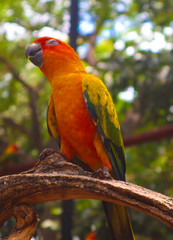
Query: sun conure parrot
(10,156)
(82,118)
(91,236)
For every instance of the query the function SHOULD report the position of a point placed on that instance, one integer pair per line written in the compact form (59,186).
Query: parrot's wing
(52,124)
(101,108)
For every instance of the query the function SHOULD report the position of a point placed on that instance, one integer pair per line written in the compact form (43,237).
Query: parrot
(81,116)
(10,155)
(91,236)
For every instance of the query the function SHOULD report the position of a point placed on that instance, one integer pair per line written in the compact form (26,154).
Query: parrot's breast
(78,132)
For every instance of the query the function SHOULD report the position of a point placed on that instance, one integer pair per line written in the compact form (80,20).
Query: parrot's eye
(52,42)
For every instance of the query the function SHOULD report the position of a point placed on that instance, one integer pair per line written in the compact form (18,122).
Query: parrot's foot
(47,152)
(102,174)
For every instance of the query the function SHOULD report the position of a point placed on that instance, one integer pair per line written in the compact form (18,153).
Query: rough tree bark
(53,178)
(26,223)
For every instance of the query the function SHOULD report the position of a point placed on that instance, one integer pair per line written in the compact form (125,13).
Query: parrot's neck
(60,67)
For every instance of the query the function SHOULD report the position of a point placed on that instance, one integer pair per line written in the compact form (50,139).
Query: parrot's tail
(119,221)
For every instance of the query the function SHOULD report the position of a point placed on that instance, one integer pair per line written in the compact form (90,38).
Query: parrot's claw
(102,174)
(47,152)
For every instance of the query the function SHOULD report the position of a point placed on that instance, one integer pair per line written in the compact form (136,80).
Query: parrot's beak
(34,52)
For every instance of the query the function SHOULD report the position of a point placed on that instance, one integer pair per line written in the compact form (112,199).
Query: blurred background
(129,45)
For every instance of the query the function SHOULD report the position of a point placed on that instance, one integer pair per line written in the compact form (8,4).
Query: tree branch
(36,134)
(14,73)
(156,134)
(10,122)
(56,179)
(26,223)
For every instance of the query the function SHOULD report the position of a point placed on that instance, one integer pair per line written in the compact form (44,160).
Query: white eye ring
(52,42)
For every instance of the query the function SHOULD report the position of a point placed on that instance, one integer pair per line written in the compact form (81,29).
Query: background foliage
(129,45)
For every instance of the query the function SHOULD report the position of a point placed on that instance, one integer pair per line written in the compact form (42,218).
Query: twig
(14,73)
(156,134)
(32,92)
(16,126)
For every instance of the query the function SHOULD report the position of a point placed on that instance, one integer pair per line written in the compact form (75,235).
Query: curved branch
(56,179)
(26,223)
(10,122)
(36,134)
(14,73)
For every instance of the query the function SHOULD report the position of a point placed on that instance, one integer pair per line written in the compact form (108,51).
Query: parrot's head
(53,57)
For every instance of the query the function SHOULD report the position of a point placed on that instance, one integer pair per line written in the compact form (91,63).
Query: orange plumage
(91,236)
(78,132)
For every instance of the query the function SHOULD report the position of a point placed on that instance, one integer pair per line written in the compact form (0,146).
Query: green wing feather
(101,108)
